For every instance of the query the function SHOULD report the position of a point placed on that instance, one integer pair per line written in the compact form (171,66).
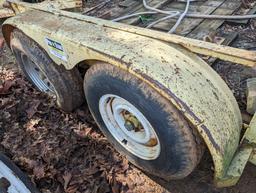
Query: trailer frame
(229,153)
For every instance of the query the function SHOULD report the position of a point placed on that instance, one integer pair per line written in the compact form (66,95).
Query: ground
(66,152)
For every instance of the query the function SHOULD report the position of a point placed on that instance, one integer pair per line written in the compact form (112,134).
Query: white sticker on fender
(56,49)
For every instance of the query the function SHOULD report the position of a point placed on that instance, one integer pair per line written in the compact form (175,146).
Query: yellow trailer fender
(6,11)
(176,73)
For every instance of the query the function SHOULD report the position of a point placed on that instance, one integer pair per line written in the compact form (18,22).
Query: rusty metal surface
(236,167)
(172,70)
(250,138)
(251,95)
(247,58)
(245,152)
(250,134)
(253,157)
(6,12)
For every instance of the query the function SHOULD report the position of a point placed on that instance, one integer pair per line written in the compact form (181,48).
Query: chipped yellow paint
(164,61)
(250,134)
(245,152)
(57,4)
(5,12)
(176,73)
(236,167)
(235,55)
(249,138)
(253,157)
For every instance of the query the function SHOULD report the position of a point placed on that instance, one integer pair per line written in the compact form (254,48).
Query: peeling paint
(172,70)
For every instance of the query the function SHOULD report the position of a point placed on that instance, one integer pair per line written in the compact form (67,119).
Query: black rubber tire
(18,173)
(68,84)
(181,145)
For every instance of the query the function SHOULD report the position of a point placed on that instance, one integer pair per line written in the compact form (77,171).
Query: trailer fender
(173,71)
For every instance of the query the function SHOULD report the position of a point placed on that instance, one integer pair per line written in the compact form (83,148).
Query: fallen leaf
(38,171)
(125,165)
(33,109)
(115,187)
(30,125)
(5,87)
(72,189)
(67,177)
(103,187)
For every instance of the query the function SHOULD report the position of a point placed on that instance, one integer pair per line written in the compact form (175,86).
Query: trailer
(152,95)
(6,12)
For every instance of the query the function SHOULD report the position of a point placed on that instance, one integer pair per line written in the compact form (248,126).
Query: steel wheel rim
(16,185)
(129,127)
(37,75)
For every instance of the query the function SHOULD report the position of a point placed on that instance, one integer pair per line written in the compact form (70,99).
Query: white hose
(222,17)
(160,20)
(182,16)
(171,14)
(158,10)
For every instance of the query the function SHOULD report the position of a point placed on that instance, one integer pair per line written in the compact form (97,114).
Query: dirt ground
(64,152)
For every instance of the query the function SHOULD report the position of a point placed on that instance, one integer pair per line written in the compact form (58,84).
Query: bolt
(129,125)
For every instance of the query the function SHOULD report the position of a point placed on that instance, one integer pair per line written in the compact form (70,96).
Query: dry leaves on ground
(61,152)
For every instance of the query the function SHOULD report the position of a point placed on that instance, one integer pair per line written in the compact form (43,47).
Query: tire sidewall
(67,83)
(45,66)
(170,161)
(36,54)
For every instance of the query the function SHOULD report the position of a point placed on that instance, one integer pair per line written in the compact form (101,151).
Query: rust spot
(152,142)
(209,135)
(122,57)
(128,64)
(181,104)
(184,106)
(215,95)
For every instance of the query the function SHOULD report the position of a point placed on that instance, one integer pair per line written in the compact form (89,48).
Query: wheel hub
(129,127)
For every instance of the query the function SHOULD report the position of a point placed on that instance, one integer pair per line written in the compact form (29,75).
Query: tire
(10,174)
(64,85)
(181,148)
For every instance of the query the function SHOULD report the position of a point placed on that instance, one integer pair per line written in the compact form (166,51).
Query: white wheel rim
(37,75)
(16,185)
(129,127)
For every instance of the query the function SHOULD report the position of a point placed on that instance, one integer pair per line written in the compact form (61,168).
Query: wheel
(12,179)
(141,124)
(64,85)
